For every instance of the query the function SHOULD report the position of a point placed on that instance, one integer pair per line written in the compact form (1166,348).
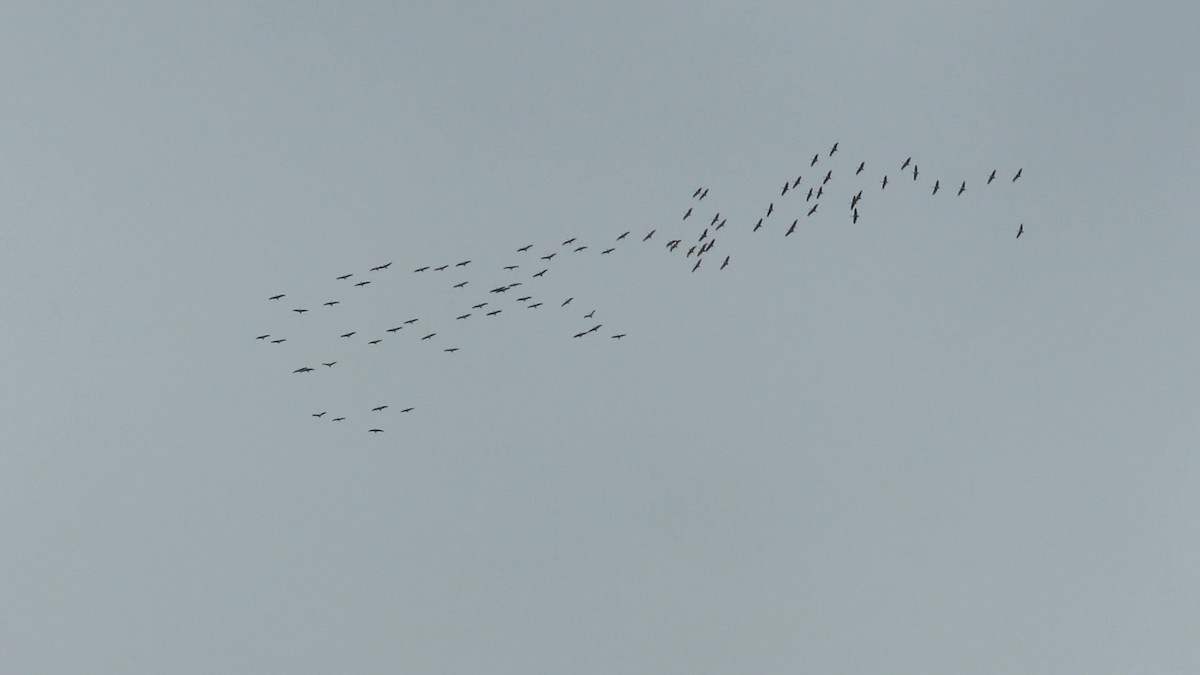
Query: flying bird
(421,269)
(883,186)
(549,257)
(524,248)
(521,299)
(275,342)
(704,194)
(581,248)
(962,188)
(344,277)
(277,297)
(607,251)
(351,333)
(828,175)
(651,234)
(494,312)
(854,218)
(569,241)
(618,336)
(394,329)
(1020,230)
(797,182)
(378,408)
(833,149)
(542,273)
(688,213)
(906,163)
(814,159)
(936,184)
(792,228)
(915,171)
(331,303)
(992,177)
(428,336)
(439,269)
(408,410)
(305,369)
(337,419)
(320,414)
(625,234)
(1018,175)
(579,335)
(770,209)
(860,168)
(460,318)
(595,328)
(263,337)
(726,263)
(479,306)
(535,305)
(589,314)
(714,220)
(567,301)
(697,192)
(757,225)
(463,263)
(460,284)
(809,195)
(697,266)
(814,208)
(412,321)
(362,283)
(786,185)
(375,431)
(511,267)
(381,267)
(299,311)
(330,364)
(374,342)
(450,349)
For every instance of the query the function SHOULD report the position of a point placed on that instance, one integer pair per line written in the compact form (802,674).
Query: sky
(907,444)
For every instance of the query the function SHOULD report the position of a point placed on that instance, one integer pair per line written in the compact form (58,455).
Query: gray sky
(907,445)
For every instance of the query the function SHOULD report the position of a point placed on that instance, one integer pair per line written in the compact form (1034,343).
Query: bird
(1018,175)
(275,342)
(855,199)
(408,410)
(962,188)
(704,194)
(579,335)
(690,251)
(337,419)
(567,301)
(330,364)
(618,336)
(936,184)
(421,269)
(650,234)
(499,289)
(792,228)
(344,277)
(814,208)
(524,248)
(688,213)
(589,314)
(992,177)
(375,431)
(381,267)
(460,284)
(511,267)
(263,337)
(786,185)
(305,369)
(623,235)
(607,251)
(906,163)
(494,312)
(378,408)
(915,172)
(428,336)
(854,218)
(351,333)
(439,269)
(720,224)
(1020,230)
(460,318)
(393,329)
(833,149)
(814,159)
(362,283)
(479,306)
(450,349)
(697,266)
(412,321)
(820,191)
(703,234)
(277,297)
(542,273)
(569,241)
(828,175)
(374,342)
(697,192)
(595,328)
(299,310)
(463,263)
(535,305)
(580,248)
(726,263)
(883,186)
(549,257)
(320,414)
(797,182)
(757,225)
(808,197)
(861,167)
(523,298)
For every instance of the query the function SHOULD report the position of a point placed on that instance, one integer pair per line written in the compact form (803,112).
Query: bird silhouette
(623,235)
(814,159)
(439,269)
(479,306)
(770,209)
(567,301)
(936,184)
(337,419)
(412,321)
(460,284)
(275,342)
(393,329)
(860,168)
(277,297)
(814,208)
(374,342)
(362,283)
(351,333)
(580,248)
(579,335)
(320,414)
(1020,230)
(854,218)
(833,149)
(992,177)
(524,248)
(331,303)
(428,336)
(569,241)
(648,235)
(915,171)
(523,298)
(542,273)
(463,263)
(704,194)
(344,277)
(299,311)
(757,225)
(1018,175)
(687,213)
(618,336)
(408,410)
(263,337)
(378,408)
(589,314)
(883,185)
(535,305)
(906,163)
(494,312)
(305,369)
(450,349)
(726,263)
(421,269)
(786,185)
(381,267)
(828,175)
(607,251)
(330,364)
(697,266)
(460,318)
(962,188)
(549,257)
(792,228)
(697,192)
(375,431)
(511,267)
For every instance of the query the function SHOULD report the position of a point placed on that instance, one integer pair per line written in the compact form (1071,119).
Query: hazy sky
(913,444)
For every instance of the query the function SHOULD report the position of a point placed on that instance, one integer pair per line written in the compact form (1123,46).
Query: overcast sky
(911,444)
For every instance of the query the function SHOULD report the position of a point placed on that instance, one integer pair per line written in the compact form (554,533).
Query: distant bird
(394,329)
(936,184)
(820,191)
(828,175)
(625,234)
(650,234)
(375,431)
(331,303)
(855,199)
(809,195)
(757,225)
(607,251)
(277,297)
(703,234)
(302,370)
(726,263)
(690,251)
(374,342)
(549,257)
(263,337)
(814,159)
(688,213)
(494,312)
(412,321)
(786,185)
(797,182)
(337,419)
(299,311)
(618,336)
(351,333)
(883,186)
(697,266)
(581,248)
(460,318)
(378,408)
(915,171)
(1018,175)
(463,263)
(1020,230)
(814,208)
(479,306)
(408,410)
(720,224)
(499,289)
(535,305)
(704,194)
(569,241)
(344,277)
(524,248)
(906,163)
(381,267)
(421,269)
(792,228)
(275,342)
(579,335)
(595,328)
(567,301)
(833,149)
(362,283)
(860,168)
(962,188)
(992,177)
(439,269)
(770,209)
(330,364)
(320,414)
(854,218)
(450,349)
(697,192)
(542,273)
(460,284)
(522,298)
(511,267)
(589,314)
(428,336)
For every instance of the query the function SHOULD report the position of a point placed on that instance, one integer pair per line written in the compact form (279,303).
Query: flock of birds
(521,285)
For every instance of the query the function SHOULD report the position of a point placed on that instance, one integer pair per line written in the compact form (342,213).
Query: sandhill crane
(509,268)
(579,335)
(567,301)
(440,269)
(648,235)
(320,414)
(523,298)
(1018,175)
(378,408)
(808,197)
(375,431)
(408,410)
(535,305)
(770,209)
(607,251)
(697,192)
(828,175)
(814,208)
(687,213)
(499,289)
(549,257)
(412,321)
(350,334)
(991,177)
(618,336)
(344,277)
(421,269)
(1020,230)
(305,369)
(393,329)
(494,312)
(428,336)
(697,266)
(569,241)
(725,264)
(883,186)
(861,167)
(797,182)
(362,283)
(589,314)
(854,218)
(915,171)
(792,228)
(277,297)
(524,248)
(623,235)
(757,225)
(381,267)
(337,419)
(690,251)
(720,224)
(786,185)
(595,328)
(962,188)
(450,349)
(703,234)
(331,303)
(263,337)
(936,184)
(280,340)
(833,149)
(463,263)
(814,159)
(906,163)
(820,191)
(704,194)
(460,284)
(479,306)
(299,310)
(542,273)
(461,317)
(581,248)
(374,342)
(330,364)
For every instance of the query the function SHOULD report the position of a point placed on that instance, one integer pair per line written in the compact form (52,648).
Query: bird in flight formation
(692,238)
